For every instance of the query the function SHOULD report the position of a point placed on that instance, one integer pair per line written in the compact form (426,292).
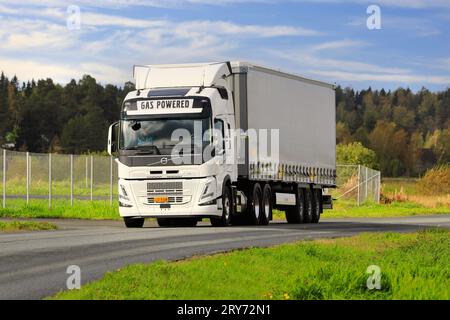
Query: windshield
(160,136)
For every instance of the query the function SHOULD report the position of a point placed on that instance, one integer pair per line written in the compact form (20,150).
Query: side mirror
(113,139)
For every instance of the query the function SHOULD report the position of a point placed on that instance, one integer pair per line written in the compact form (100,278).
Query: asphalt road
(33,264)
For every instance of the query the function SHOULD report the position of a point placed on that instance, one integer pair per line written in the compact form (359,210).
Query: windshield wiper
(149,149)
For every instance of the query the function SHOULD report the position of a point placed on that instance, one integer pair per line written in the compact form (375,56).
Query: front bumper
(139,203)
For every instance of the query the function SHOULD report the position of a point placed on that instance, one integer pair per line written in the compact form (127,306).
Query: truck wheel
(227,209)
(134,222)
(309,206)
(255,208)
(266,205)
(296,214)
(317,197)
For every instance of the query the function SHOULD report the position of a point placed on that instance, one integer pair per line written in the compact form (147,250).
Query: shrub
(436,181)
(356,153)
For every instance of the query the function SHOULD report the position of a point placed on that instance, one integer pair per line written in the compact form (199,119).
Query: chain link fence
(358,183)
(27,176)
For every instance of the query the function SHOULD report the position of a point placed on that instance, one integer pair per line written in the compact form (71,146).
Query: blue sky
(325,39)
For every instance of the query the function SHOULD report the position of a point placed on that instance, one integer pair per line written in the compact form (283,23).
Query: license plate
(161,199)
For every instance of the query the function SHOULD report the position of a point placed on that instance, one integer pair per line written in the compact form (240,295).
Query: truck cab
(172,143)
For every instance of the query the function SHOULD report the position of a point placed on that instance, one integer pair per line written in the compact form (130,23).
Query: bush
(436,181)
(356,153)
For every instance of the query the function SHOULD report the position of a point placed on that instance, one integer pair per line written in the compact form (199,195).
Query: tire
(134,222)
(266,208)
(227,209)
(309,206)
(296,214)
(317,206)
(254,209)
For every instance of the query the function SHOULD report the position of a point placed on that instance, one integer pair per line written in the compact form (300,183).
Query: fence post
(28,176)
(366,184)
(110,180)
(359,183)
(92,177)
(50,180)
(4,178)
(86,172)
(71,180)
(379,187)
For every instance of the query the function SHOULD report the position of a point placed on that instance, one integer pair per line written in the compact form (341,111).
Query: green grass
(15,226)
(413,266)
(344,209)
(102,210)
(99,210)
(61,209)
(348,209)
(392,185)
(61,188)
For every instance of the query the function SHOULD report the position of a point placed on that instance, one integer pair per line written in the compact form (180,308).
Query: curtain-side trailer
(226,141)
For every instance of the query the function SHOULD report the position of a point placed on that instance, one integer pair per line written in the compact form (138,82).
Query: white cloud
(339,44)
(22,35)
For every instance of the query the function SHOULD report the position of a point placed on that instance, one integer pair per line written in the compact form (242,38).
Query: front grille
(173,190)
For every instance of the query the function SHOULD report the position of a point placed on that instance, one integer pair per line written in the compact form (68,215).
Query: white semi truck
(226,141)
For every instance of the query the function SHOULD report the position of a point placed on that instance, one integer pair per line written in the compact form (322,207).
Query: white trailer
(227,141)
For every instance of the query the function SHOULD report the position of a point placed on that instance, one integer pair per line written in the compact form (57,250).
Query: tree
(356,153)
(343,134)
(381,142)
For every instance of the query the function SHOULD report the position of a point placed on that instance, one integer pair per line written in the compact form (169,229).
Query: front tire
(134,222)
(227,209)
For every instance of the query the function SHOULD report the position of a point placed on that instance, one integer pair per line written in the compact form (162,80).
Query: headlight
(123,193)
(209,190)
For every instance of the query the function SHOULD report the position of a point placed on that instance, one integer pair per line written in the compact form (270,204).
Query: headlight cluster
(123,193)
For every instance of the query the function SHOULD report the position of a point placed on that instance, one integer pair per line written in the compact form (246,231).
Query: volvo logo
(164,160)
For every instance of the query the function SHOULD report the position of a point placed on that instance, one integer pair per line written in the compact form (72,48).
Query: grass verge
(413,266)
(15,226)
(96,210)
(348,209)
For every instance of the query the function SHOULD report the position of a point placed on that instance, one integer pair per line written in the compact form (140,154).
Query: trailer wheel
(134,222)
(317,205)
(254,209)
(309,206)
(227,209)
(296,214)
(266,207)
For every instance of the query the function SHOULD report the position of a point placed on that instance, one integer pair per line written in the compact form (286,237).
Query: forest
(408,131)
